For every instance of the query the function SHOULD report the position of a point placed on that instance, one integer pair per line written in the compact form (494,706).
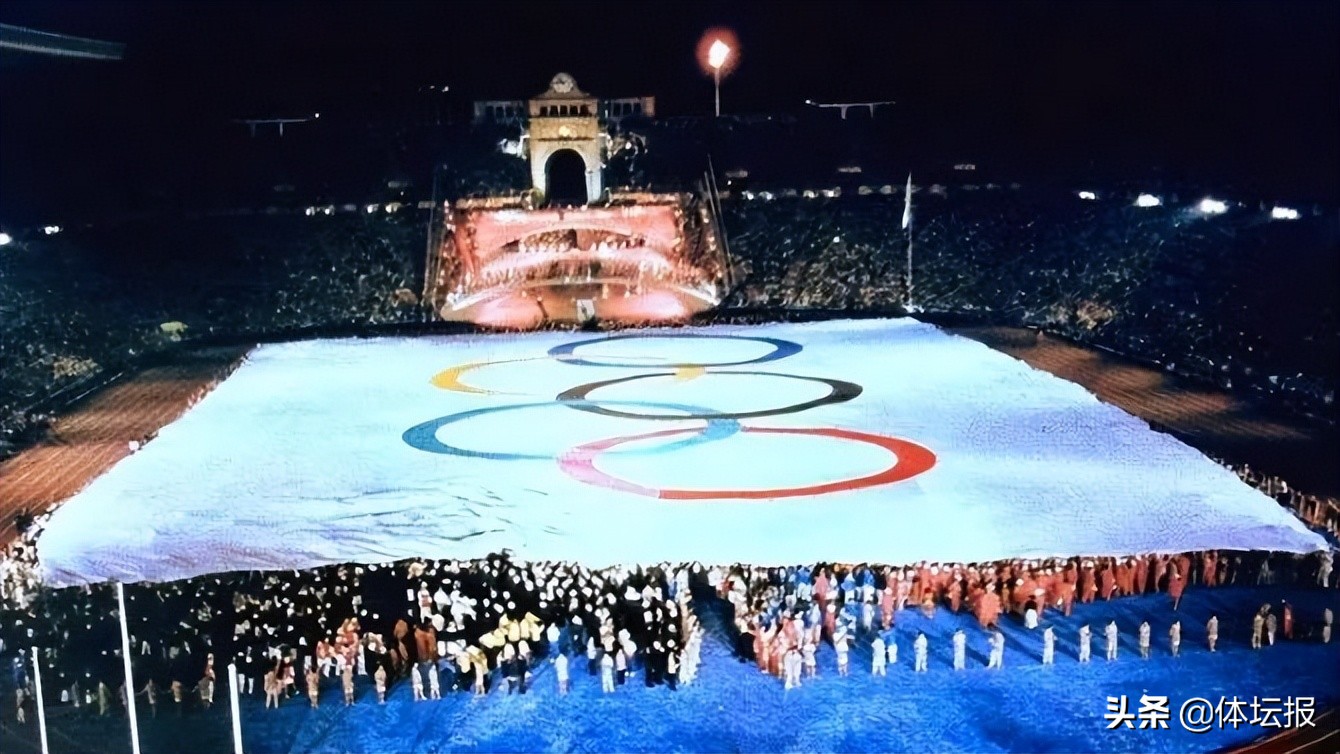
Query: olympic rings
(839,391)
(424,436)
(781,350)
(910,459)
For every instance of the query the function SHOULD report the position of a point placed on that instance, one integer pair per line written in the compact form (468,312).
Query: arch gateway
(565,119)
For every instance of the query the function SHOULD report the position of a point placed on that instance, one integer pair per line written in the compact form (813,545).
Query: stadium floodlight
(372,208)
(717,55)
(1088,195)
(1147,200)
(51,230)
(1283,213)
(1212,206)
(6,239)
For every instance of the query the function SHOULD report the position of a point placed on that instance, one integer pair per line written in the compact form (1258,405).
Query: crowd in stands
(77,307)
(1201,296)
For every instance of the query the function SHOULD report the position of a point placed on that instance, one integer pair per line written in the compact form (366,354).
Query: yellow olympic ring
(450,378)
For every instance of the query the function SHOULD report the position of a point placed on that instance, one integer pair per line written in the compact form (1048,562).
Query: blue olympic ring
(781,350)
(424,436)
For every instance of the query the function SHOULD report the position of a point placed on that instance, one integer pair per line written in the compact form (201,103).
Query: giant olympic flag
(882,441)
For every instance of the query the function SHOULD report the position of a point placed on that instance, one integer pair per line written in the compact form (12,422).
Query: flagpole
(130,682)
(41,706)
(237,715)
(909,266)
(907,226)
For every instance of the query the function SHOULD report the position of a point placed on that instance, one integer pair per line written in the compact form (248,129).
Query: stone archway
(588,151)
(565,178)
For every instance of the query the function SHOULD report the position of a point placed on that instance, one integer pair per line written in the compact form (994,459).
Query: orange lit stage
(644,258)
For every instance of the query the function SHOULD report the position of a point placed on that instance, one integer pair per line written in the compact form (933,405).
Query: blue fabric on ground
(733,707)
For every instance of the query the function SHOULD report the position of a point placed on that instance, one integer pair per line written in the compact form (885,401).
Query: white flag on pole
(907,204)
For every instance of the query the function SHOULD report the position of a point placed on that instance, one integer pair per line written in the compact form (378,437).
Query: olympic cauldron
(640,258)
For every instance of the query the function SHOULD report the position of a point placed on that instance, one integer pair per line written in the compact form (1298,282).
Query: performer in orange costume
(1175,585)
(1109,581)
(988,612)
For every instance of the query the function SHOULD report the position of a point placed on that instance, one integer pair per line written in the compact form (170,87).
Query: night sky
(1247,90)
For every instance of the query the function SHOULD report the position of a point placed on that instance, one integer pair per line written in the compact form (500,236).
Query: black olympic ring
(840,391)
(781,349)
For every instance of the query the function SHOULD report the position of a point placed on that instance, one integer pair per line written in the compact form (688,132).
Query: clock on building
(563,84)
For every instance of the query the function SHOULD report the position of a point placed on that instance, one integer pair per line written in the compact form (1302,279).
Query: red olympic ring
(911,459)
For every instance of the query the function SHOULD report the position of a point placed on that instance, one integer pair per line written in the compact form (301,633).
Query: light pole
(716,58)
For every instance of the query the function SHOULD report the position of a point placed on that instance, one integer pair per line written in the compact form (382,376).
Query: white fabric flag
(564,446)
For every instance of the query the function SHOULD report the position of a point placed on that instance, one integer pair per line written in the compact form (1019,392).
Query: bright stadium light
(1088,195)
(1283,213)
(6,239)
(1147,200)
(1212,206)
(718,52)
(51,230)
(716,57)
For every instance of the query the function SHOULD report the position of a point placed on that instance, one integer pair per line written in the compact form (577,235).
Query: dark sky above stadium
(1250,84)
